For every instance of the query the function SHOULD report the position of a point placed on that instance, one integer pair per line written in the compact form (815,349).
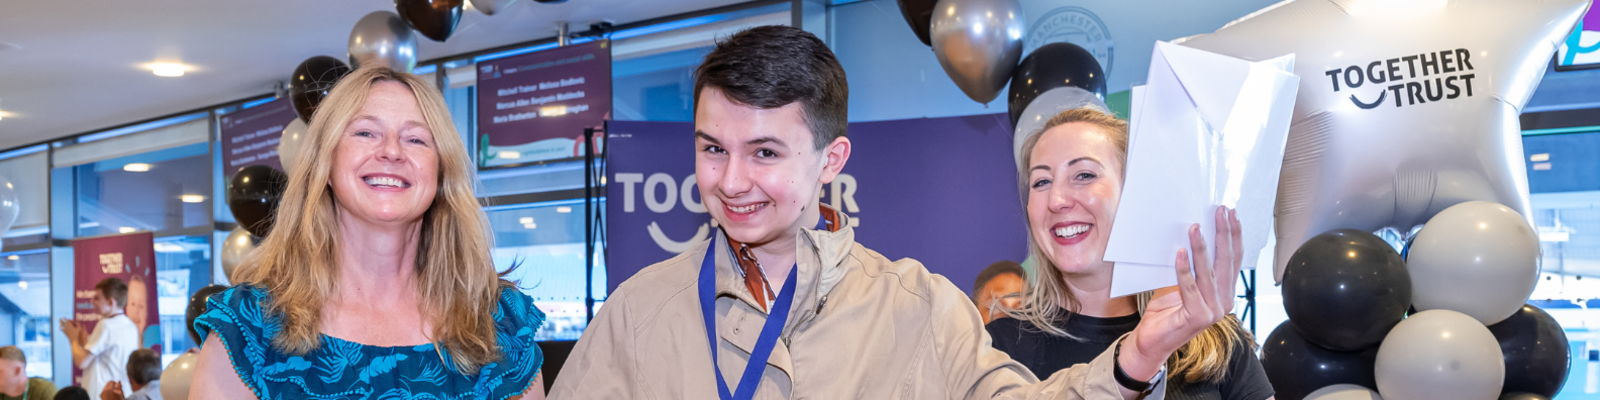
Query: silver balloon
(978,42)
(289,144)
(1440,354)
(1478,258)
(176,379)
(1046,106)
(9,207)
(490,7)
(1344,391)
(384,38)
(235,248)
(1404,108)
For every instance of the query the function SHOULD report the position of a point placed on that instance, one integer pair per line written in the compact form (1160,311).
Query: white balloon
(1478,258)
(1344,391)
(490,7)
(1046,106)
(8,205)
(289,144)
(1440,354)
(175,380)
(1404,108)
(235,248)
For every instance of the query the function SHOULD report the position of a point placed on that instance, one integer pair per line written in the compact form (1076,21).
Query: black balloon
(253,195)
(1295,367)
(1345,289)
(1054,65)
(312,81)
(197,306)
(1523,396)
(435,19)
(919,14)
(1535,347)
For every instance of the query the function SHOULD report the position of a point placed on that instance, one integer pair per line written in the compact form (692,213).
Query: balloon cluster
(979,42)
(253,196)
(1469,271)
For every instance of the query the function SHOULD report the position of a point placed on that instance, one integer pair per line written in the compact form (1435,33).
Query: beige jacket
(861,327)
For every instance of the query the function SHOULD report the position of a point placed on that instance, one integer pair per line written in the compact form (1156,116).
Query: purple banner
(534,107)
(130,257)
(250,136)
(942,191)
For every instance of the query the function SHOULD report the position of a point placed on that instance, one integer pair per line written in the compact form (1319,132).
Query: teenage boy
(784,289)
(103,354)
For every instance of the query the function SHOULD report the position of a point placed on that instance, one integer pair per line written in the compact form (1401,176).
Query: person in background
(1071,184)
(138,311)
(14,381)
(103,354)
(995,288)
(144,372)
(376,279)
(782,303)
(72,393)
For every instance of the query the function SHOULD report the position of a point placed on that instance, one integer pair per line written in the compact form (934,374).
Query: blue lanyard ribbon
(764,343)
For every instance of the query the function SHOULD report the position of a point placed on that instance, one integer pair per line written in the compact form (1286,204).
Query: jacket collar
(820,256)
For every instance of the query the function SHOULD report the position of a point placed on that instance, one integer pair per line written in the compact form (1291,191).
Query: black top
(1044,354)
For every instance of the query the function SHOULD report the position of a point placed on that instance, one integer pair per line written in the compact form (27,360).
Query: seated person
(144,374)
(14,381)
(1072,175)
(783,293)
(998,286)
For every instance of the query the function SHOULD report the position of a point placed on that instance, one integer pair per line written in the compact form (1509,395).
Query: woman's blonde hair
(1205,357)
(298,262)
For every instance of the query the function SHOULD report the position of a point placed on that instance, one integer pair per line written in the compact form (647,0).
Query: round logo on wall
(1075,25)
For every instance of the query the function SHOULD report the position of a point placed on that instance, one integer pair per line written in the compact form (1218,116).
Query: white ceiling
(73,66)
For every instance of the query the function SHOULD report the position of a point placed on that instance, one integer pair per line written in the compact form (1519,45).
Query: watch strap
(1127,381)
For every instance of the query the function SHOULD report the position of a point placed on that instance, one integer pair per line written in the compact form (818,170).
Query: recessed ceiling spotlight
(168,70)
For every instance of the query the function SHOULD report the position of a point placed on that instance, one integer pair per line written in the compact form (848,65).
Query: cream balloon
(1440,354)
(235,248)
(289,143)
(1405,107)
(1478,258)
(175,380)
(490,7)
(1344,391)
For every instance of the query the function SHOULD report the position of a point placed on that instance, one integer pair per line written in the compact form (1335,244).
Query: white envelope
(1206,130)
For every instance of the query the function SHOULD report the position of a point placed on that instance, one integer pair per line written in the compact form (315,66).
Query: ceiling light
(168,70)
(193,198)
(126,229)
(1541,157)
(563,209)
(530,226)
(22,284)
(525,220)
(136,167)
(13,257)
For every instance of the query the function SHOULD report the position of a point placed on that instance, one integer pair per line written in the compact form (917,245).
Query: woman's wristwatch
(1127,382)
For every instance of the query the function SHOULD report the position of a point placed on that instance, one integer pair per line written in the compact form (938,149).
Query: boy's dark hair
(72,393)
(772,66)
(114,289)
(1001,267)
(144,366)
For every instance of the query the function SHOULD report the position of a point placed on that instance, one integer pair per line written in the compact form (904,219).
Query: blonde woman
(376,280)
(1071,185)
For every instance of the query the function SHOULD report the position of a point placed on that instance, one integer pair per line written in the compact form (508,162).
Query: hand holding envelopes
(1207,130)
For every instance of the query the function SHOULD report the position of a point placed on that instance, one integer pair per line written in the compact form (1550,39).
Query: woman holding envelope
(1071,178)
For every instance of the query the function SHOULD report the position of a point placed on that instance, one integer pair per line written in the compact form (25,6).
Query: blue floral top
(346,370)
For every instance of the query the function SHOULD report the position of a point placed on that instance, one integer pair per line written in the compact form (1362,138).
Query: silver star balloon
(1405,107)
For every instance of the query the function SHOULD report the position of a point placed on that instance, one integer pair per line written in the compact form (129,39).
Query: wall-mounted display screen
(534,107)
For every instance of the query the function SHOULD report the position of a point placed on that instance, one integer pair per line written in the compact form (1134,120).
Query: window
(545,242)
